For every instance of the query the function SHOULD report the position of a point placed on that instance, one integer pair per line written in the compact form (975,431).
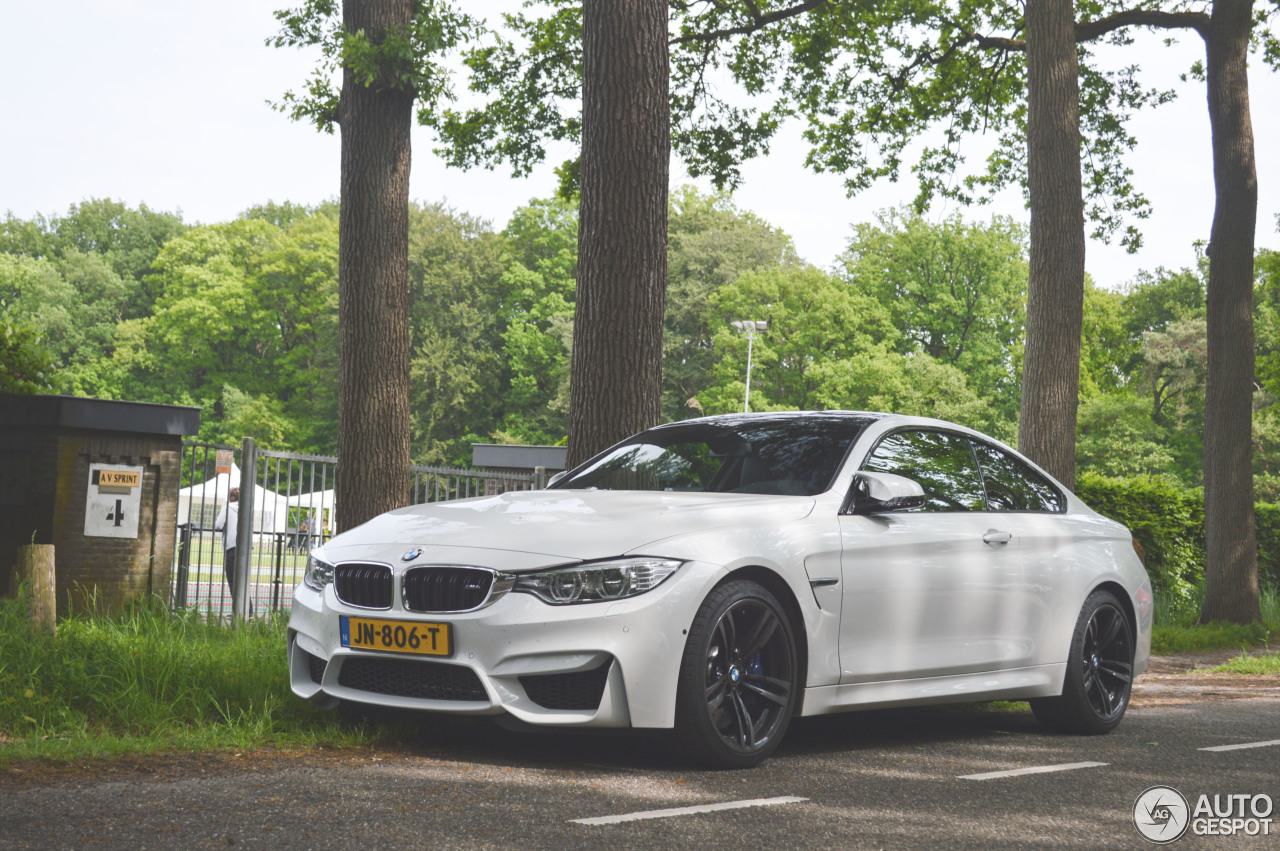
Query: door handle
(996,538)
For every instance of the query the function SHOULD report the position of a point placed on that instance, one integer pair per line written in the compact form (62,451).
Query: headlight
(319,573)
(598,581)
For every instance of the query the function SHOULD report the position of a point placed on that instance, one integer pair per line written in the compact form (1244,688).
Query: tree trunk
(1231,564)
(616,372)
(1055,291)
(373,301)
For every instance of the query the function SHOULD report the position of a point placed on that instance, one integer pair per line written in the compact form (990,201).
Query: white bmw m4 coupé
(715,577)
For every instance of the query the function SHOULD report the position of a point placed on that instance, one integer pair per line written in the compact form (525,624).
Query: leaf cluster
(879,88)
(399,58)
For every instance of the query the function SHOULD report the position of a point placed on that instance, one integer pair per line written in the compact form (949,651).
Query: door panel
(925,595)
(936,591)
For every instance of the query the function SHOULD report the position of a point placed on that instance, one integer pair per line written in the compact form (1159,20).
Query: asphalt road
(889,779)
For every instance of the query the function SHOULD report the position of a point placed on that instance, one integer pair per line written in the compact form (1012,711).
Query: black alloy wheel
(1106,663)
(738,678)
(1095,692)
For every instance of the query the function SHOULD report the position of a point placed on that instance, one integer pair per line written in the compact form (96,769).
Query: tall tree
(1055,290)
(864,76)
(1231,557)
(386,50)
(1231,577)
(616,375)
(373,291)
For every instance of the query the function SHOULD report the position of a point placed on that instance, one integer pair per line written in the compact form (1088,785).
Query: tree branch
(1092,30)
(758,22)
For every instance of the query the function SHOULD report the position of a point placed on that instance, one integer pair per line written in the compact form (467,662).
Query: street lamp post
(749,327)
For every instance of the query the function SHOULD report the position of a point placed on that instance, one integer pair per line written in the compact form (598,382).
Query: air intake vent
(449,589)
(315,666)
(365,585)
(408,678)
(580,690)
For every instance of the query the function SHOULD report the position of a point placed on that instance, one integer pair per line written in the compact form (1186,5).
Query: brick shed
(99,480)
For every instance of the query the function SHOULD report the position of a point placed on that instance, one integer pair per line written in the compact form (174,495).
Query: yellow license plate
(424,639)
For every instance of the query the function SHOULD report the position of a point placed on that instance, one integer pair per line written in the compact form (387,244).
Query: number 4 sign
(115,496)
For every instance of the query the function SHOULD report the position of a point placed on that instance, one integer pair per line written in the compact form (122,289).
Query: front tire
(739,678)
(1095,692)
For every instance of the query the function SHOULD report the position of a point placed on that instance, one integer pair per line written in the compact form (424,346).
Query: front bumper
(538,663)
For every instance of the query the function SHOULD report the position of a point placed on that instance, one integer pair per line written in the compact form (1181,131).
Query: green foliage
(25,366)
(244,324)
(1116,436)
(538,293)
(810,316)
(75,278)
(455,327)
(1108,349)
(867,79)
(399,59)
(128,240)
(1175,362)
(920,318)
(955,292)
(1142,377)
(710,244)
(1167,520)
(914,384)
(529,104)
(1186,637)
(1178,631)
(1266,524)
(1266,664)
(148,680)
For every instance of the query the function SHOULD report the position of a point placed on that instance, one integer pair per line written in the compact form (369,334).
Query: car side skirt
(1012,684)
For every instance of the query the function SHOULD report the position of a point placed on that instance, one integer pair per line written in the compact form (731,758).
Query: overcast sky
(164,103)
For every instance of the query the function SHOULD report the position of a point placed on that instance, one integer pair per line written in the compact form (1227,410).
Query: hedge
(1168,521)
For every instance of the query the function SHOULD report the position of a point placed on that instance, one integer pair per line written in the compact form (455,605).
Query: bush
(1168,520)
(1267,522)
(1165,517)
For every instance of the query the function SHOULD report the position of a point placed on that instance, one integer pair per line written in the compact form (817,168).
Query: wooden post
(35,569)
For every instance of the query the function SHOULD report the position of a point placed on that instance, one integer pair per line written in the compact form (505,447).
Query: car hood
(557,526)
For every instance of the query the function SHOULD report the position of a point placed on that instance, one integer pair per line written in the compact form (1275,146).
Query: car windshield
(792,455)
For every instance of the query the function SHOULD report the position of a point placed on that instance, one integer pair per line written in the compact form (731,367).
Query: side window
(942,463)
(1012,485)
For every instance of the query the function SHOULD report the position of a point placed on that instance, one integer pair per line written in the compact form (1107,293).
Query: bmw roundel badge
(412,554)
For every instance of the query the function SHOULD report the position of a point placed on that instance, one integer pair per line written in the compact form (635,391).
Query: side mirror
(557,477)
(874,493)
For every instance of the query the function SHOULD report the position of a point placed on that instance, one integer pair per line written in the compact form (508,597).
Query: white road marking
(1039,769)
(1244,746)
(688,811)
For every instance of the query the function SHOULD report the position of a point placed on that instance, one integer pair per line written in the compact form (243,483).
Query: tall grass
(1177,629)
(154,680)
(150,680)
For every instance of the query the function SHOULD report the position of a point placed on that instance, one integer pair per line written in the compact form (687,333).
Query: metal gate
(291,509)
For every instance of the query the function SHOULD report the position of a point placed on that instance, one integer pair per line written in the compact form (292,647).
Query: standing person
(228,523)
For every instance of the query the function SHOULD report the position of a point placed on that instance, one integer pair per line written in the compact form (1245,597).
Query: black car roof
(776,416)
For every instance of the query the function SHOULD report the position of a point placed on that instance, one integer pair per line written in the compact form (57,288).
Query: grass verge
(1176,630)
(156,681)
(151,681)
(1265,664)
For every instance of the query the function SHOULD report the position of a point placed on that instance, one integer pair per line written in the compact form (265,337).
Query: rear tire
(739,678)
(1095,691)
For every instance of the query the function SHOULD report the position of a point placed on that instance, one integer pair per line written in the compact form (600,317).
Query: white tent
(199,504)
